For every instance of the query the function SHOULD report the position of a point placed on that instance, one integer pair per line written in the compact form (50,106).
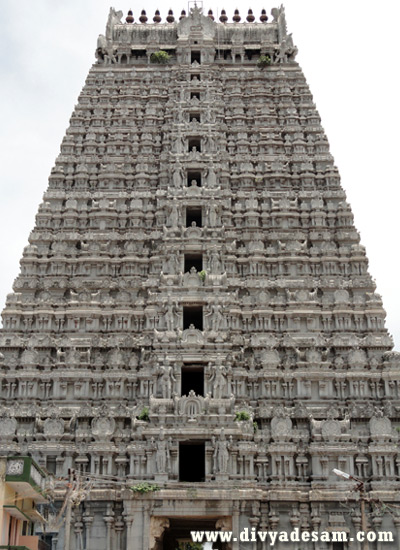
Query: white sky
(348,50)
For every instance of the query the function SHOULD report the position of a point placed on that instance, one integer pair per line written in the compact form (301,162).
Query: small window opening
(195,56)
(192,462)
(252,54)
(194,116)
(171,52)
(195,77)
(194,177)
(228,54)
(193,315)
(192,380)
(51,464)
(138,54)
(194,145)
(193,260)
(193,215)
(195,95)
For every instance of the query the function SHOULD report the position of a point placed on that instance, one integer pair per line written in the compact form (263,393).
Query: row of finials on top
(223,17)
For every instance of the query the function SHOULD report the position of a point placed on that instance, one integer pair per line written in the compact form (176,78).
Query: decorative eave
(268,37)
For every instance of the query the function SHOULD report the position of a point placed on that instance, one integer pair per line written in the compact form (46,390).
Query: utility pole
(361,489)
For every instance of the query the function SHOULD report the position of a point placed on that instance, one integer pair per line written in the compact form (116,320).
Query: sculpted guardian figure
(171,313)
(216,316)
(218,378)
(221,454)
(162,453)
(167,379)
(212,215)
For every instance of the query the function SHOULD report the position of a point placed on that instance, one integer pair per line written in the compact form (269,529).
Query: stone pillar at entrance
(157,528)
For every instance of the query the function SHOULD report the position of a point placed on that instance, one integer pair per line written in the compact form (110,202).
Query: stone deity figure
(171,312)
(167,379)
(114,18)
(212,215)
(162,453)
(221,454)
(194,186)
(210,143)
(177,176)
(211,178)
(218,377)
(215,264)
(216,316)
(173,215)
(173,263)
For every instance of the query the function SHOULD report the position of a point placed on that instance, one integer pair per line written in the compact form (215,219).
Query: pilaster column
(130,543)
(119,528)
(356,519)
(377,523)
(263,527)
(396,521)
(254,521)
(109,520)
(78,528)
(235,524)
(88,522)
(146,527)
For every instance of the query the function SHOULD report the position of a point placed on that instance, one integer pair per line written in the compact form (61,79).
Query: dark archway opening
(194,176)
(195,56)
(180,528)
(192,461)
(193,214)
(194,116)
(194,144)
(192,379)
(193,315)
(193,260)
(252,54)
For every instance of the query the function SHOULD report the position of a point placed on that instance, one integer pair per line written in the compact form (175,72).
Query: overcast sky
(348,50)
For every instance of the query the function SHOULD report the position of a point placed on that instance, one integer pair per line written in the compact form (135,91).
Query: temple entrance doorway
(178,533)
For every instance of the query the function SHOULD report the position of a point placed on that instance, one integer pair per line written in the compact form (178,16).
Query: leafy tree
(242,416)
(264,61)
(161,57)
(144,415)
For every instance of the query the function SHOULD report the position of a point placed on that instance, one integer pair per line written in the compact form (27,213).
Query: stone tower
(194,318)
